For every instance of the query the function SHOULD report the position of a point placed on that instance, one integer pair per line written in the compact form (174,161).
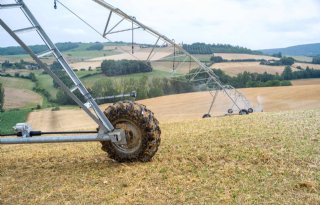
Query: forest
(203,48)
(16,50)
(124,67)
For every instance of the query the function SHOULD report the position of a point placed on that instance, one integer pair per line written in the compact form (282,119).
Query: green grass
(16,83)
(302,58)
(89,54)
(46,82)
(10,118)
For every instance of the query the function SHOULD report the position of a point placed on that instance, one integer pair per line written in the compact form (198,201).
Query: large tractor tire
(142,132)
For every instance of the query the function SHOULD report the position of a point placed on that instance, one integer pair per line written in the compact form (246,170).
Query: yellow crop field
(239,56)
(235,68)
(315,81)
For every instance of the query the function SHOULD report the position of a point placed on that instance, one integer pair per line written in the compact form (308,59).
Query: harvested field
(190,106)
(167,66)
(305,65)
(315,81)
(20,98)
(235,68)
(239,56)
(86,65)
(56,120)
(18,93)
(139,54)
(265,158)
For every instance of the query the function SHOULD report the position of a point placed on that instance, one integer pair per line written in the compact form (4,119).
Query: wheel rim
(133,136)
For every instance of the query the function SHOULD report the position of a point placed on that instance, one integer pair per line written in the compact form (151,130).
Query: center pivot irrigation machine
(127,131)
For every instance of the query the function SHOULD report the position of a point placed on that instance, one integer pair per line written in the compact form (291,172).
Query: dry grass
(180,67)
(18,93)
(315,81)
(139,54)
(189,106)
(86,65)
(239,56)
(266,158)
(19,98)
(305,65)
(125,54)
(235,68)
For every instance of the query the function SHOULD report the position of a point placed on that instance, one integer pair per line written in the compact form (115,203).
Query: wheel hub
(133,136)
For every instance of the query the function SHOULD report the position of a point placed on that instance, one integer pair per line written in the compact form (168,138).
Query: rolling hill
(299,50)
(190,106)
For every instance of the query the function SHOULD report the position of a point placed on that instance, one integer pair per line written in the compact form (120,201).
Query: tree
(62,75)
(124,67)
(32,77)
(287,61)
(316,60)
(216,59)
(277,55)
(287,73)
(1,97)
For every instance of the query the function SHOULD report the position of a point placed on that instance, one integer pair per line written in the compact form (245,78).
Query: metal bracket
(24,129)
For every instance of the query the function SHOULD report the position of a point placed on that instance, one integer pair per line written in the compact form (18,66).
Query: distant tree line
(16,50)
(316,60)
(219,59)
(96,46)
(284,61)
(144,86)
(19,65)
(125,67)
(203,48)
(247,79)
(31,76)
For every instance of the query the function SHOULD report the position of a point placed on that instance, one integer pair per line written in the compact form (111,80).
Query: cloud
(252,23)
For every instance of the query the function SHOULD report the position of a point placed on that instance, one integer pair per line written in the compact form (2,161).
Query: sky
(254,24)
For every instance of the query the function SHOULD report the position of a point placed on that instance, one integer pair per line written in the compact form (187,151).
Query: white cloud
(252,23)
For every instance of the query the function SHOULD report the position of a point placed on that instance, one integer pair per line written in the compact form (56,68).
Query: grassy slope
(16,83)
(267,158)
(10,118)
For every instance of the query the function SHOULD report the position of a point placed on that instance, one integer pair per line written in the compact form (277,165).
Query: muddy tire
(250,110)
(243,112)
(206,116)
(142,132)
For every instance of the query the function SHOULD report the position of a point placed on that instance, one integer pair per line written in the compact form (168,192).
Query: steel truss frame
(239,101)
(106,130)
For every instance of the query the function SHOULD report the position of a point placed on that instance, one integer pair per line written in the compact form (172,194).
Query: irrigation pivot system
(127,131)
